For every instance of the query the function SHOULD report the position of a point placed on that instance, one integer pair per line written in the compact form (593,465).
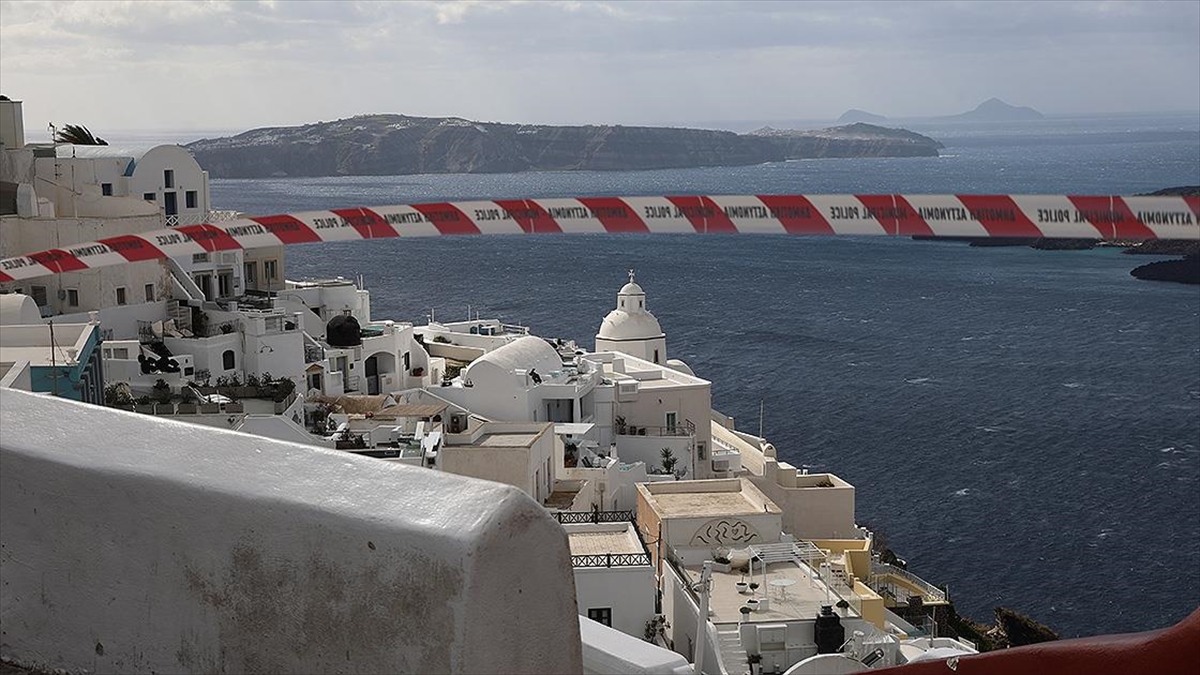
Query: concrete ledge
(138,544)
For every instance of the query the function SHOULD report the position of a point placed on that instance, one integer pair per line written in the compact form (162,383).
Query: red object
(1171,651)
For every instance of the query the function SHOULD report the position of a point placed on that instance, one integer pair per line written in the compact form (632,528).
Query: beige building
(692,519)
(814,505)
(516,453)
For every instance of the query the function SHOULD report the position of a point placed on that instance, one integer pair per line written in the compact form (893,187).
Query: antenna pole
(762,409)
(53,361)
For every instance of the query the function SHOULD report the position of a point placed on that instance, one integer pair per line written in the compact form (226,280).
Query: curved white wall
(137,544)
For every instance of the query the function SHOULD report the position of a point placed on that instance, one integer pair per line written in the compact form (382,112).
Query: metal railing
(572,517)
(611,560)
(686,428)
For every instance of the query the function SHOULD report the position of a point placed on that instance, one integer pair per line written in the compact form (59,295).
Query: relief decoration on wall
(724,531)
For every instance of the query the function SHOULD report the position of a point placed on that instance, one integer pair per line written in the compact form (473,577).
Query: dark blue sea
(1021,425)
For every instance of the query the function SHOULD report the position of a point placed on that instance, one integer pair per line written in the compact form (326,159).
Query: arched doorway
(380,371)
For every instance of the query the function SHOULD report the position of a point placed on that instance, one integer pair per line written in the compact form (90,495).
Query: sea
(1021,426)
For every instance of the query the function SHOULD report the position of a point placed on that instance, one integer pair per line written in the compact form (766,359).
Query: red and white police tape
(1056,216)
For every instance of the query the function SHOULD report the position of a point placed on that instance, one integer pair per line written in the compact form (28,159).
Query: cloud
(154,64)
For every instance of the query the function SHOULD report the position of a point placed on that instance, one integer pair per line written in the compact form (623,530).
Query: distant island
(855,115)
(380,145)
(995,110)
(991,110)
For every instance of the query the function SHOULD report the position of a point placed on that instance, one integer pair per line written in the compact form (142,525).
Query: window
(106,189)
(250,271)
(169,178)
(656,356)
(189,199)
(225,284)
(148,196)
(120,353)
(149,292)
(601,615)
(701,451)
(672,420)
(269,270)
(120,295)
(198,258)
(73,297)
(227,361)
(38,293)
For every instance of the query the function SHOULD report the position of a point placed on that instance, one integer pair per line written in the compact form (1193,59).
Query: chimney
(12,126)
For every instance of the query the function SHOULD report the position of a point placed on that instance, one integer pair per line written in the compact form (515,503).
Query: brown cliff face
(398,145)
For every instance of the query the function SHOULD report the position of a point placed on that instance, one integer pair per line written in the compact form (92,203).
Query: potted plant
(619,422)
(755,661)
(842,605)
(752,603)
(144,405)
(742,586)
(745,611)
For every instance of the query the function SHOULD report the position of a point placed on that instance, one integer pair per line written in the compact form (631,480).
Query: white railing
(932,593)
(177,219)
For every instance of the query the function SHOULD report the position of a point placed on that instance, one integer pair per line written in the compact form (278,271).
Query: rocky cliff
(400,144)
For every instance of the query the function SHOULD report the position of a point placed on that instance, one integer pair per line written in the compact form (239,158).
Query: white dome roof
(622,325)
(524,353)
(630,320)
(17,309)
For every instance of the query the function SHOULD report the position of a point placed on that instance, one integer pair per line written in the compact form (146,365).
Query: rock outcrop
(400,144)
(1184,271)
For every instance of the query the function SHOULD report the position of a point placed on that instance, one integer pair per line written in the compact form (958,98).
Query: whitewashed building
(614,575)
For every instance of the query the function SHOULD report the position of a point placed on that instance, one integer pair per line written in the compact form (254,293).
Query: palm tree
(77,134)
(669,460)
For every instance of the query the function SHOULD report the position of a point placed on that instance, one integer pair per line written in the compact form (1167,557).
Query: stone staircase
(732,654)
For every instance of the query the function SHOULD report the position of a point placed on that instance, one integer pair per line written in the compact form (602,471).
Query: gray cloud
(145,64)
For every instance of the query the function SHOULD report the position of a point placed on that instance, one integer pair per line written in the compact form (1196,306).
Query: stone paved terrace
(801,600)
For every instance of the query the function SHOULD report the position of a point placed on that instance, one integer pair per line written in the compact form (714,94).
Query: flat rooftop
(707,498)
(793,592)
(503,435)
(506,440)
(598,539)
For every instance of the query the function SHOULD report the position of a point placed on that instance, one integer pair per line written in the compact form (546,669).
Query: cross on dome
(631,275)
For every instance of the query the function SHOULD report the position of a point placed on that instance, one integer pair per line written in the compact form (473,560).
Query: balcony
(679,430)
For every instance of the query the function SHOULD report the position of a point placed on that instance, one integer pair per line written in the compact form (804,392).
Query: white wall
(123,553)
(629,591)
(648,449)
(96,289)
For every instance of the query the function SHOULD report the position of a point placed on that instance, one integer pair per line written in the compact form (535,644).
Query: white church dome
(621,325)
(630,320)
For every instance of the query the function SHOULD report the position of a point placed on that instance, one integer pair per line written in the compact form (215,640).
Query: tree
(77,134)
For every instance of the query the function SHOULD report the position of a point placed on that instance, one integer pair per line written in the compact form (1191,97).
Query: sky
(149,65)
